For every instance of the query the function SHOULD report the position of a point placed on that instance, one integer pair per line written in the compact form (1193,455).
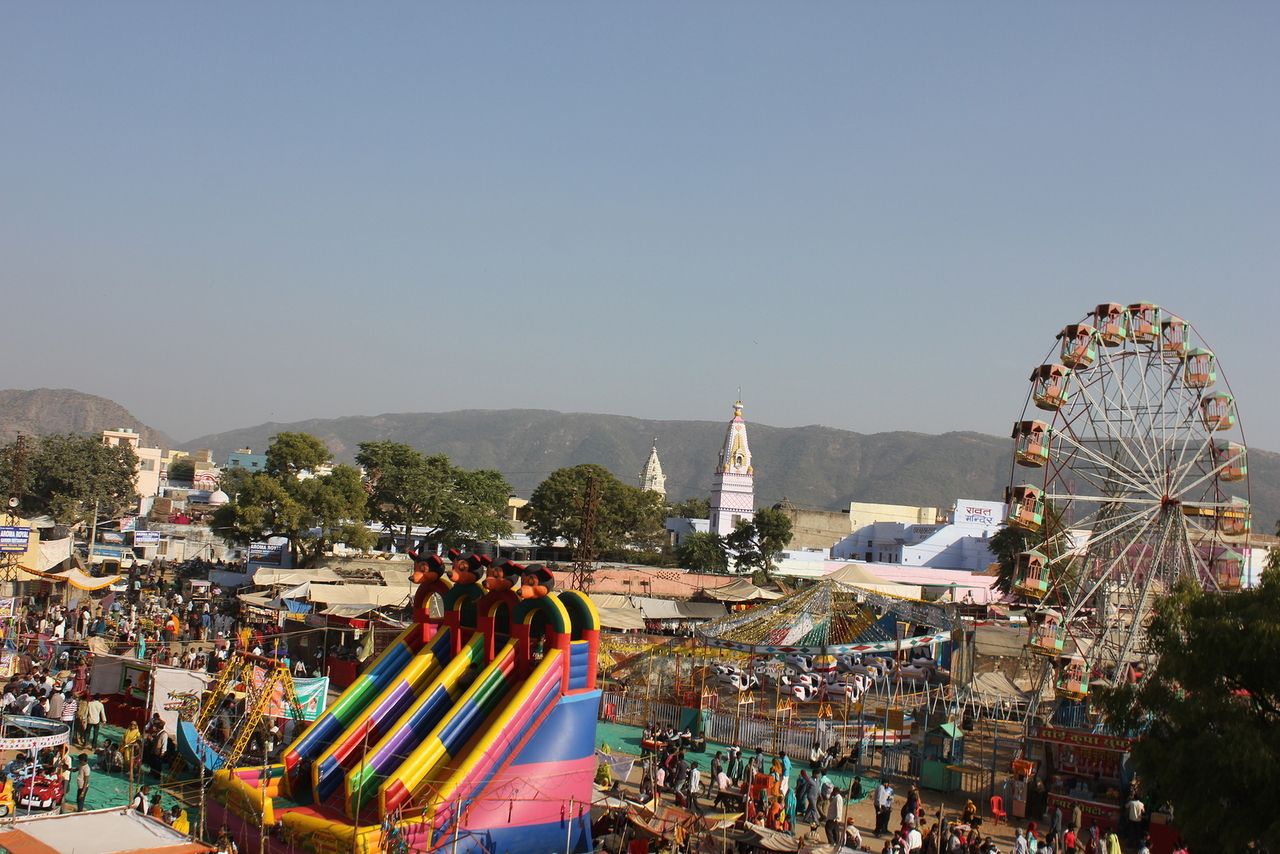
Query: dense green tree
(310,511)
(291,454)
(692,508)
(182,471)
(1208,717)
(67,475)
(232,478)
(703,551)
(409,489)
(626,517)
(756,544)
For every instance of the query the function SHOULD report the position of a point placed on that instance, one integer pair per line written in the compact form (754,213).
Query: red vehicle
(44,791)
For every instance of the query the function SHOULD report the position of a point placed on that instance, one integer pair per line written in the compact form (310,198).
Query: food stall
(1084,769)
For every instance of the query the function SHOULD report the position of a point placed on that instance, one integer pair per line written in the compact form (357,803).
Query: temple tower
(733,494)
(652,479)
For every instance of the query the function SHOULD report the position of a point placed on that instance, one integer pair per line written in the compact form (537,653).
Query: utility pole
(584,557)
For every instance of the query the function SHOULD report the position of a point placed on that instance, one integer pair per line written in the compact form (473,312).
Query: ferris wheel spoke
(1076,606)
(1121,365)
(1116,524)
(1113,435)
(1102,461)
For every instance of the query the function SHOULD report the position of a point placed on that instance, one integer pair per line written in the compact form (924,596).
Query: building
(962,542)
(245,458)
(651,478)
(733,495)
(863,513)
(151,461)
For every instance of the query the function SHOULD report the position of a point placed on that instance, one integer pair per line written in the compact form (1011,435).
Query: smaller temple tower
(651,478)
(733,494)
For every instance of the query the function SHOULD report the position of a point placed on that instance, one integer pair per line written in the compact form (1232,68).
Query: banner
(176,687)
(312,695)
(14,539)
(135,680)
(146,538)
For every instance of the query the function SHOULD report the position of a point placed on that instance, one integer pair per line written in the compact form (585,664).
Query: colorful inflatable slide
(474,732)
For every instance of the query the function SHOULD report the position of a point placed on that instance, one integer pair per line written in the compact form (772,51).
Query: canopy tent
(77,578)
(350,612)
(621,619)
(268,576)
(361,594)
(854,575)
(827,618)
(741,590)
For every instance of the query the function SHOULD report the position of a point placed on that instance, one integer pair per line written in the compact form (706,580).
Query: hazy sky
(873,216)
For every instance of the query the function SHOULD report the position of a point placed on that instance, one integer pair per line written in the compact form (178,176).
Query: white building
(651,478)
(733,493)
(963,543)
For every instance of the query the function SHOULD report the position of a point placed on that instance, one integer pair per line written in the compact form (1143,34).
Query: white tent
(855,576)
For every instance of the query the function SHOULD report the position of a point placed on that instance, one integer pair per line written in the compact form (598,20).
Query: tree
(692,508)
(182,471)
(408,489)
(757,543)
(627,517)
(67,476)
(291,454)
(309,512)
(703,551)
(1208,717)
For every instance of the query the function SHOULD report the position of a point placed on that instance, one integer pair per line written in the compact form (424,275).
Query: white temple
(733,493)
(651,478)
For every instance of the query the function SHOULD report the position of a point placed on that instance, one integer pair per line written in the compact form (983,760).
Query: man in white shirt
(835,819)
(884,807)
(915,841)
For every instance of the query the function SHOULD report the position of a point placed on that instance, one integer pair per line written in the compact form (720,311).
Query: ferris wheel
(1129,473)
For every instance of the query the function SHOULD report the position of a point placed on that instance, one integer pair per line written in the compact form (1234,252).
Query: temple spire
(733,489)
(651,478)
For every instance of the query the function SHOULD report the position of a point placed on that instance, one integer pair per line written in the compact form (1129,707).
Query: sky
(873,216)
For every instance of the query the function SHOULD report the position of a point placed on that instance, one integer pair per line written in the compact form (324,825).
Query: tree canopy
(756,544)
(311,511)
(626,517)
(408,489)
(703,551)
(1208,718)
(692,508)
(67,475)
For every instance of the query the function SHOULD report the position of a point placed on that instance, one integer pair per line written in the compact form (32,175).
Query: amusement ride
(1129,474)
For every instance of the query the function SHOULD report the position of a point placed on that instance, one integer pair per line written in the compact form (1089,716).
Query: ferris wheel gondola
(1129,473)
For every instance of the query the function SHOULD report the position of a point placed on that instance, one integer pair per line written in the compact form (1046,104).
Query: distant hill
(40,411)
(815,467)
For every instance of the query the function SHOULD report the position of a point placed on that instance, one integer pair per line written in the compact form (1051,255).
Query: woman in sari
(131,745)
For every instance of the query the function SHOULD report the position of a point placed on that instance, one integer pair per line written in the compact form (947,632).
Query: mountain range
(814,467)
(41,411)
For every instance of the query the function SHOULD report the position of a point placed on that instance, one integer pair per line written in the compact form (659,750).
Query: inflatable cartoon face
(468,569)
(536,582)
(426,567)
(503,575)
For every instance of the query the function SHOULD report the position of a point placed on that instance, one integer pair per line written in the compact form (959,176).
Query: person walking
(884,807)
(835,819)
(82,782)
(96,716)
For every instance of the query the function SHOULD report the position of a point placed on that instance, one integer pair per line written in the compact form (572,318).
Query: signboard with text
(266,553)
(146,538)
(14,538)
(986,513)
